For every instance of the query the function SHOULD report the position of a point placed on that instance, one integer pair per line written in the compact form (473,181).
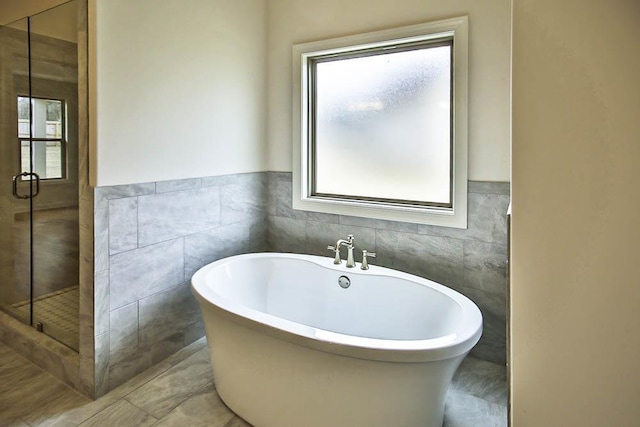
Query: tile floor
(179,391)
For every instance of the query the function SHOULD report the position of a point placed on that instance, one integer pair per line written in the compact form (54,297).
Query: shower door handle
(15,185)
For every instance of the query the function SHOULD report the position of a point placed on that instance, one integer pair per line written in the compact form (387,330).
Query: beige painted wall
(299,21)
(575,282)
(12,10)
(49,17)
(179,89)
(55,22)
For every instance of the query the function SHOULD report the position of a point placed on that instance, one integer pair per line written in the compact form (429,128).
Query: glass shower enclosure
(39,227)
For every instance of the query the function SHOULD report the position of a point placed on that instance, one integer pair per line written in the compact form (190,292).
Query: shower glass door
(54,158)
(44,212)
(15,201)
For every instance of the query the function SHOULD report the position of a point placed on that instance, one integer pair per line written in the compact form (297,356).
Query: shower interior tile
(58,312)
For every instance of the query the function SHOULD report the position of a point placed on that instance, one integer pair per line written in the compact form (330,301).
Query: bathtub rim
(388,350)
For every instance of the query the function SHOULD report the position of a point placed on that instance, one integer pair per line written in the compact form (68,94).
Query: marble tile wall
(471,261)
(149,239)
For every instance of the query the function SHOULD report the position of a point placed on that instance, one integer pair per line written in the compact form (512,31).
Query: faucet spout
(350,246)
(349,243)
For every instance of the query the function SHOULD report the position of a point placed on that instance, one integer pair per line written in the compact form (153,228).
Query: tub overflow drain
(344,282)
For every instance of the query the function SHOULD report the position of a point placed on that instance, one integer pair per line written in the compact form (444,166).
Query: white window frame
(456,216)
(62,139)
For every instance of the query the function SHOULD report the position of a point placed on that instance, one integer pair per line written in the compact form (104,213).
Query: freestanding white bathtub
(290,347)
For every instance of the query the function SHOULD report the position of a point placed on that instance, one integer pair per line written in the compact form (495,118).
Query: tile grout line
(170,364)
(189,396)
(138,407)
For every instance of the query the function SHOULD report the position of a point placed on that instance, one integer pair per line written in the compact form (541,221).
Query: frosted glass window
(382,125)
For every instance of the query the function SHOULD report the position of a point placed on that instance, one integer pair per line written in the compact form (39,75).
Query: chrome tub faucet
(349,243)
(365,263)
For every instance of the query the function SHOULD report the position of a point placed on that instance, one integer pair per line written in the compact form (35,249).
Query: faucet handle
(336,249)
(365,254)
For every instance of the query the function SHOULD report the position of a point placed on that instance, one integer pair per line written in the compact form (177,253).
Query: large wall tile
(487,219)
(101,221)
(123,332)
(121,372)
(287,235)
(279,176)
(101,364)
(101,239)
(193,332)
(450,232)
(185,224)
(356,221)
(283,202)
(178,185)
(160,350)
(166,313)
(123,225)
(159,234)
(436,258)
(170,215)
(243,201)
(253,177)
(142,272)
(202,248)
(483,187)
(485,266)
(216,181)
(272,196)
(492,345)
(403,227)
(320,235)
(101,302)
(104,194)
(323,217)
(258,235)
(101,252)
